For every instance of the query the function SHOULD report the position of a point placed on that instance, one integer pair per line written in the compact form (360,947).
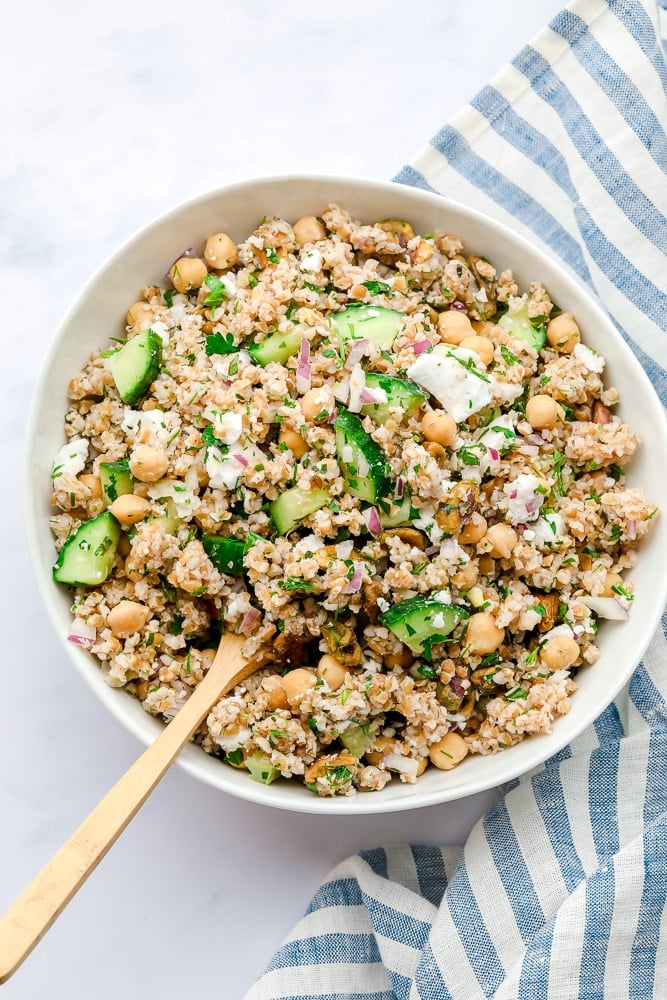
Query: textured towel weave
(560,891)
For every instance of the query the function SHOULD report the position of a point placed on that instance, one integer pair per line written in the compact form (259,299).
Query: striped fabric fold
(560,891)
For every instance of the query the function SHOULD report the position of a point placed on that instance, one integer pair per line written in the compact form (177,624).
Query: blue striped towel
(560,890)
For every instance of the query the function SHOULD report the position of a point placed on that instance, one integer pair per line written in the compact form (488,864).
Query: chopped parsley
(295,583)
(220,343)
(218,291)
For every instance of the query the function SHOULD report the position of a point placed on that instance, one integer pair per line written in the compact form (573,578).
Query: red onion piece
(494,453)
(532,506)
(534,438)
(528,449)
(251,616)
(399,487)
(82,634)
(368,396)
(372,519)
(188,252)
(241,459)
(457,687)
(354,584)
(606,607)
(513,494)
(458,307)
(420,346)
(431,550)
(357,351)
(631,529)
(303,369)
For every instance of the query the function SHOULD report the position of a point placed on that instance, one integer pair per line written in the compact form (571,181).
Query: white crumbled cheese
(228,281)
(347,454)
(158,429)
(438,620)
(311,261)
(162,331)
(241,358)
(505,392)
(455,380)
(427,523)
(496,442)
(185,502)
(443,596)
(383,604)
(357,386)
(547,529)
(524,500)
(223,472)
(70,460)
(589,358)
(227,425)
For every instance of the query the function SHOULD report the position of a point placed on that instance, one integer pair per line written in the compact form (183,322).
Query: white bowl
(99,313)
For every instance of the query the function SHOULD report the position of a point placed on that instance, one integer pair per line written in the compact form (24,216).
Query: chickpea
(127,618)
(502,539)
(560,652)
(148,464)
(482,347)
(474,530)
(317,401)
(188,273)
(332,671)
(612,580)
(294,441)
(483,327)
(543,412)
(466,576)
(454,326)
(276,691)
(140,316)
(439,426)
(296,683)
(359,292)
(403,658)
(308,230)
(220,252)
(381,746)
(129,509)
(486,564)
(483,635)
(422,764)
(448,752)
(436,451)
(94,484)
(563,333)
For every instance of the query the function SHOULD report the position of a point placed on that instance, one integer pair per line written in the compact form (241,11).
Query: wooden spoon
(37,908)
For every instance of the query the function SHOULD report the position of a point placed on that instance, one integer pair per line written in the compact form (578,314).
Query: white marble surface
(109,115)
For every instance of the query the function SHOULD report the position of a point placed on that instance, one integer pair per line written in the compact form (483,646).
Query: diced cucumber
(276,347)
(293,505)
(422,621)
(87,557)
(169,520)
(374,323)
(135,366)
(116,479)
(357,739)
(394,513)
(361,460)
(519,325)
(226,554)
(260,767)
(400,393)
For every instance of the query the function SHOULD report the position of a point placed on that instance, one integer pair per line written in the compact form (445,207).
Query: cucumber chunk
(361,460)
(260,767)
(226,554)
(374,323)
(293,505)
(169,520)
(276,347)
(357,739)
(518,325)
(400,393)
(135,366)
(394,513)
(87,557)
(422,621)
(116,479)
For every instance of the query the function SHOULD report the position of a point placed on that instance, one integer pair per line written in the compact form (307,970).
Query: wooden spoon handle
(28,919)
